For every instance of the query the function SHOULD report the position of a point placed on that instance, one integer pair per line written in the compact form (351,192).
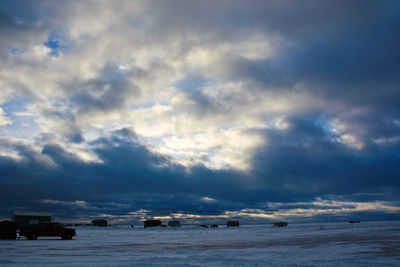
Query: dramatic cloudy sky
(200,110)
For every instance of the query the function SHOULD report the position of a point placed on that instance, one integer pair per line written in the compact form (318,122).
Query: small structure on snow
(100,222)
(214,226)
(232,223)
(174,223)
(204,225)
(354,221)
(152,223)
(281,224)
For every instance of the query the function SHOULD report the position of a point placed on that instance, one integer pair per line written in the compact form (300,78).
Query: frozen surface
(323,244)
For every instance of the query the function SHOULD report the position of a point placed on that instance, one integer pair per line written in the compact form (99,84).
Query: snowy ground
(323,244)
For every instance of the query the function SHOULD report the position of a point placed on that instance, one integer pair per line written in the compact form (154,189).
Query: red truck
(49,229)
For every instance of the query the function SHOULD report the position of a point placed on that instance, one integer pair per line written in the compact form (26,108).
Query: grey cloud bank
(200,110)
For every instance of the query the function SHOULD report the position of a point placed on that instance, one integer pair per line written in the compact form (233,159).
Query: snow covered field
(320,244)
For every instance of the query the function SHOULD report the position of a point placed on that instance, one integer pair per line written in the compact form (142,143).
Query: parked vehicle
(48,229)
(8,230)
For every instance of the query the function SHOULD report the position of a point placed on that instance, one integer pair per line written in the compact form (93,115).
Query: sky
(201,111)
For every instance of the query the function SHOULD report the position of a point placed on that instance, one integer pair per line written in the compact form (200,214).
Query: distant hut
(280,224)
(152,223)
(214,226)
(8,230)
(174,223)
(354,221)
(234,223)
(204,225)
(99,222)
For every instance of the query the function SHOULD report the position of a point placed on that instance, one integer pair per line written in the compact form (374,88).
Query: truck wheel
(67,236)
(32,237)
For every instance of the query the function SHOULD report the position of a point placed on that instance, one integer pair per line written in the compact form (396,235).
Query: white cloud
(4,120)
(346,134)
(76,203)
(208,199)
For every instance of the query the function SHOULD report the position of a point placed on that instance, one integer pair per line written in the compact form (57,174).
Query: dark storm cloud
(344,52)
(257,74)
(304,159)
(298,165)
(127,169)
(356,63)
(287,17)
